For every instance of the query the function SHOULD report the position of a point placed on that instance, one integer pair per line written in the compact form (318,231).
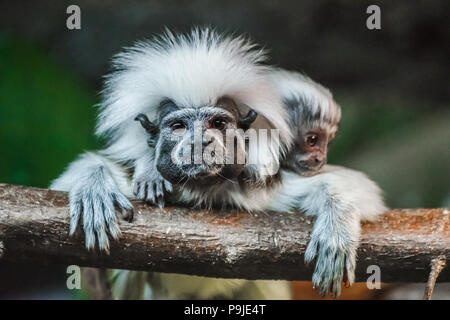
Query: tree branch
(34,225)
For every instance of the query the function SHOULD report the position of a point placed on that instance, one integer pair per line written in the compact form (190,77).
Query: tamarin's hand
(94,196)
(95,202)
(335,247)
(150,186)
(340,199)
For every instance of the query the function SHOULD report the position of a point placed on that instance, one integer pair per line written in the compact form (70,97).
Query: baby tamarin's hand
(335,254)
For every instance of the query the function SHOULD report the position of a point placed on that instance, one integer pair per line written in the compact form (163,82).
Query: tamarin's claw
(152,189)
(128,214)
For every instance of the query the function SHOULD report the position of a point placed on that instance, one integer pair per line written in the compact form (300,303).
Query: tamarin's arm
(339,198)
(96,186)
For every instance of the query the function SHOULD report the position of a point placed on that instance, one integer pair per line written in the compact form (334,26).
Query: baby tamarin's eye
(312,139)
(218,123)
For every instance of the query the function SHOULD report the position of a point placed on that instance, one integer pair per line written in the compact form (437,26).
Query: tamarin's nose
(318,159)
(207,140)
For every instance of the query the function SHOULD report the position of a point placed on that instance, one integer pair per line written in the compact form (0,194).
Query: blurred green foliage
(46,115)
(365,123)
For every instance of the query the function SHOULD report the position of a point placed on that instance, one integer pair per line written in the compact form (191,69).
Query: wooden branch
(34,225)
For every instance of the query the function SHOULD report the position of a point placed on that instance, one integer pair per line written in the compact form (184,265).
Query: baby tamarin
(314,117)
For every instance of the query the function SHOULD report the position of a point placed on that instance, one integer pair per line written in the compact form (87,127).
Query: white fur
(231,195)
(95,184)
(353,188)
(316,98)
(79,172)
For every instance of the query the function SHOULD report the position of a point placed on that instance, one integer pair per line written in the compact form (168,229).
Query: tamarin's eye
(218,123)
(178,125)
(312,139)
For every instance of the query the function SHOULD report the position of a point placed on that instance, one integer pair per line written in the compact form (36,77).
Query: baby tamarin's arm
(340,199)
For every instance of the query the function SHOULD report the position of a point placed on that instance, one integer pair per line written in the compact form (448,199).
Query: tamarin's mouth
(197,171)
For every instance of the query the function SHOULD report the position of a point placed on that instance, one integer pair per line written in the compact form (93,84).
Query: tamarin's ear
(149,126)
(246,121)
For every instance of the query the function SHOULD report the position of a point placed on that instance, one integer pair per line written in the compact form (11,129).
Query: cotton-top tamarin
(185,82)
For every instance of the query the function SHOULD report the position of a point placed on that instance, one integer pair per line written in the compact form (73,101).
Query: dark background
(393,86)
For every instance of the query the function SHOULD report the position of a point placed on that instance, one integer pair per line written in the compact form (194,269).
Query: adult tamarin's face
(203,144)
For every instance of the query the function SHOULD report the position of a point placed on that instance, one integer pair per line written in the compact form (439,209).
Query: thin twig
(437,264)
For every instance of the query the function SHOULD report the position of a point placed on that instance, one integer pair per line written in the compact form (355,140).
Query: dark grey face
(309,153)
(199,145)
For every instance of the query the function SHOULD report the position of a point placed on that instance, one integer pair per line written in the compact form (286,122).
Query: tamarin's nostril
(207,141)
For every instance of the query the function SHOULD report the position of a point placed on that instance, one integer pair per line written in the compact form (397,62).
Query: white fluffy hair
(350,189)
(192,70)
(310,96)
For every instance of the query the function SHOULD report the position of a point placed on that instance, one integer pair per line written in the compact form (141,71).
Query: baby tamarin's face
(309,152)
(314,117)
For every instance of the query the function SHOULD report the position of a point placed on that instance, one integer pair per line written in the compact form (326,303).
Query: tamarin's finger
(346,280)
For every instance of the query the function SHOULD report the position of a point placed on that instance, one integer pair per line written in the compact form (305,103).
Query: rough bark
(34,225)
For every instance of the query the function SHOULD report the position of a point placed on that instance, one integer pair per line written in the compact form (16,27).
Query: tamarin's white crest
(192,70)
(194,73)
